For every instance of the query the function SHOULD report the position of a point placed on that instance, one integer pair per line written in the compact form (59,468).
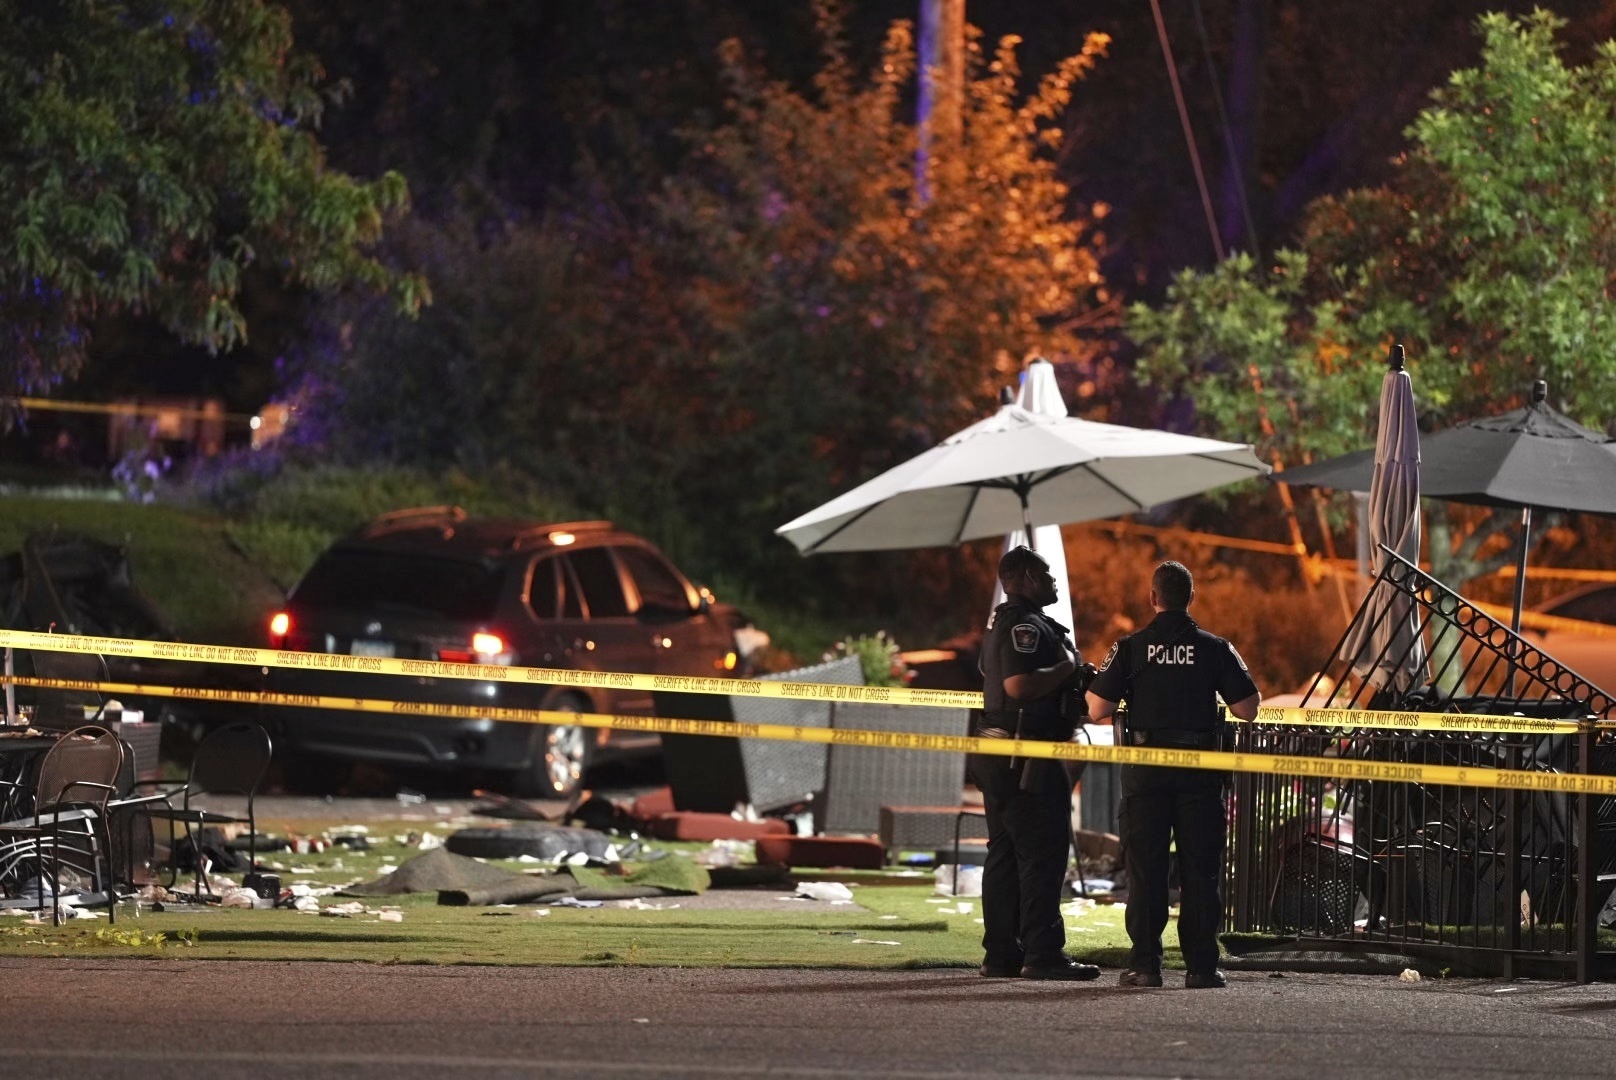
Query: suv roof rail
(539,533)
(415,517)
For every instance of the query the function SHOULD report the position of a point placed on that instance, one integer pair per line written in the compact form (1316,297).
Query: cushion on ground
(652,804)
(852,852)
(693,825)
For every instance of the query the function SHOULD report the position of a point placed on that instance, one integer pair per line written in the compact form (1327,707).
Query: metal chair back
(81,769)
(231,760)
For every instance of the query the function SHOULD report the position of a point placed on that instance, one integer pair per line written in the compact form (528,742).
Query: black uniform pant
(1163,808)
(1029,838)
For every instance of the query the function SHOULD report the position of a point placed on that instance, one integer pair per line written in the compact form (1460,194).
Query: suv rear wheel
(560,754)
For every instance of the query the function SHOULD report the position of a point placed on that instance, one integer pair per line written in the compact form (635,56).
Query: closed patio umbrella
(1384,645)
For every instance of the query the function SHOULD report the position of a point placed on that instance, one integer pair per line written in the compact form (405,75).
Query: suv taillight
(486,648)
(282,635)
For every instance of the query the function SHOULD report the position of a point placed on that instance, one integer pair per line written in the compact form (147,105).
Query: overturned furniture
(65,583)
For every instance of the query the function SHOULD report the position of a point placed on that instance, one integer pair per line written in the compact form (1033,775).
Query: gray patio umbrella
(1533,458)
(1384,646)
(1015,468)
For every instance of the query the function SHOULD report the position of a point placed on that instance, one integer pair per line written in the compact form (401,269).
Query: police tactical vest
(1174,669)
(1008,631)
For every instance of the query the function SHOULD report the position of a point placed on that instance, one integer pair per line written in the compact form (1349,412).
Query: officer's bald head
(1173,586)
(1018,561)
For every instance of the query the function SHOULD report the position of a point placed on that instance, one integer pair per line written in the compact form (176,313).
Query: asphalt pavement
(88,1018)
(116,1018)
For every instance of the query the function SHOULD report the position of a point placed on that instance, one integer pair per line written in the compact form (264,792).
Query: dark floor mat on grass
(464,882)
(672,875)
(434,870)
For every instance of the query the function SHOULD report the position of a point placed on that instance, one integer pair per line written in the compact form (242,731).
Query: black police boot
(1205,980)
(1063,968)
(1001,969)
(1139,978)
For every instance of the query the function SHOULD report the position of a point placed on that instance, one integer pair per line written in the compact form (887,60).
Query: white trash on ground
(832,891)
(970,880)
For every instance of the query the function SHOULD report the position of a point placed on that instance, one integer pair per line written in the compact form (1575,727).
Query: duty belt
(1178,738)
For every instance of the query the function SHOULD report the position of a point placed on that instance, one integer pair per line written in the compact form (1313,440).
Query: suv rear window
(411,584)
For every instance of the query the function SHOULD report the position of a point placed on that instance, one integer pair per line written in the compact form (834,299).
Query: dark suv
(435,584)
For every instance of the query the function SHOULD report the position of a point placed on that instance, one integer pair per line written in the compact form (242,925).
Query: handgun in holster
(1029,766)
(1120,734)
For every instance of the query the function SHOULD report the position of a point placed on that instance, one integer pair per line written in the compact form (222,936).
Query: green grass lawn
(900,929)
(900,926)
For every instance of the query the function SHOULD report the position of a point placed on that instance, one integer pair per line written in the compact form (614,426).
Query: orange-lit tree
(817,319)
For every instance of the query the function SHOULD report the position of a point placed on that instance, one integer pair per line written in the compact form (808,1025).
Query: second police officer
(1171,674)
(1027,661)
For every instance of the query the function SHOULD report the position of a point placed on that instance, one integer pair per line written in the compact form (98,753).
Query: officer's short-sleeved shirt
(1020,639)
(1171,674)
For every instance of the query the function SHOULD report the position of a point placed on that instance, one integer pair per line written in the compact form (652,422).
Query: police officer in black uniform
(1172,673)
(1027,659)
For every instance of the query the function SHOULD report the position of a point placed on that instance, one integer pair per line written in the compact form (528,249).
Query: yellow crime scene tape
(1393,720)
(1334,768)
(697,684)
(1329,767)
(446,669)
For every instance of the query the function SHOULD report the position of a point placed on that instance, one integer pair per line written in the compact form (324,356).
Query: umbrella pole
(1026,520)
(1520,588)
(1520,568)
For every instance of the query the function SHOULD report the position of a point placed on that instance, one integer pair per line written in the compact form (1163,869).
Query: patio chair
(232,760)
(75,780)
(132,846)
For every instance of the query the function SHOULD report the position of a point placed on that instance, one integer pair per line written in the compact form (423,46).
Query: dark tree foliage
(151,156)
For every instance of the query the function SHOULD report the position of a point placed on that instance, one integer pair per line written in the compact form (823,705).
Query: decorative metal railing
(1497,880)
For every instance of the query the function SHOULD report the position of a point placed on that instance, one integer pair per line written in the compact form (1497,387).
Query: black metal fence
(1499,881)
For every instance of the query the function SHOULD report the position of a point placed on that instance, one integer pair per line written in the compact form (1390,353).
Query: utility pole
(939,118)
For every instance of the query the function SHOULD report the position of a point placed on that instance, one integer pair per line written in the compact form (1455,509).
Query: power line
(1189,131)
(1237,172)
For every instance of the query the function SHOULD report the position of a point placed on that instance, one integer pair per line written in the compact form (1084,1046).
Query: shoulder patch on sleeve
(1024,636)
(1237,657)
(1110,656)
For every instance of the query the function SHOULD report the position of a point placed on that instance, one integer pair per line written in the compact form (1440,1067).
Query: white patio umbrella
(1383,645)
(1040,393)
(1015,468)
